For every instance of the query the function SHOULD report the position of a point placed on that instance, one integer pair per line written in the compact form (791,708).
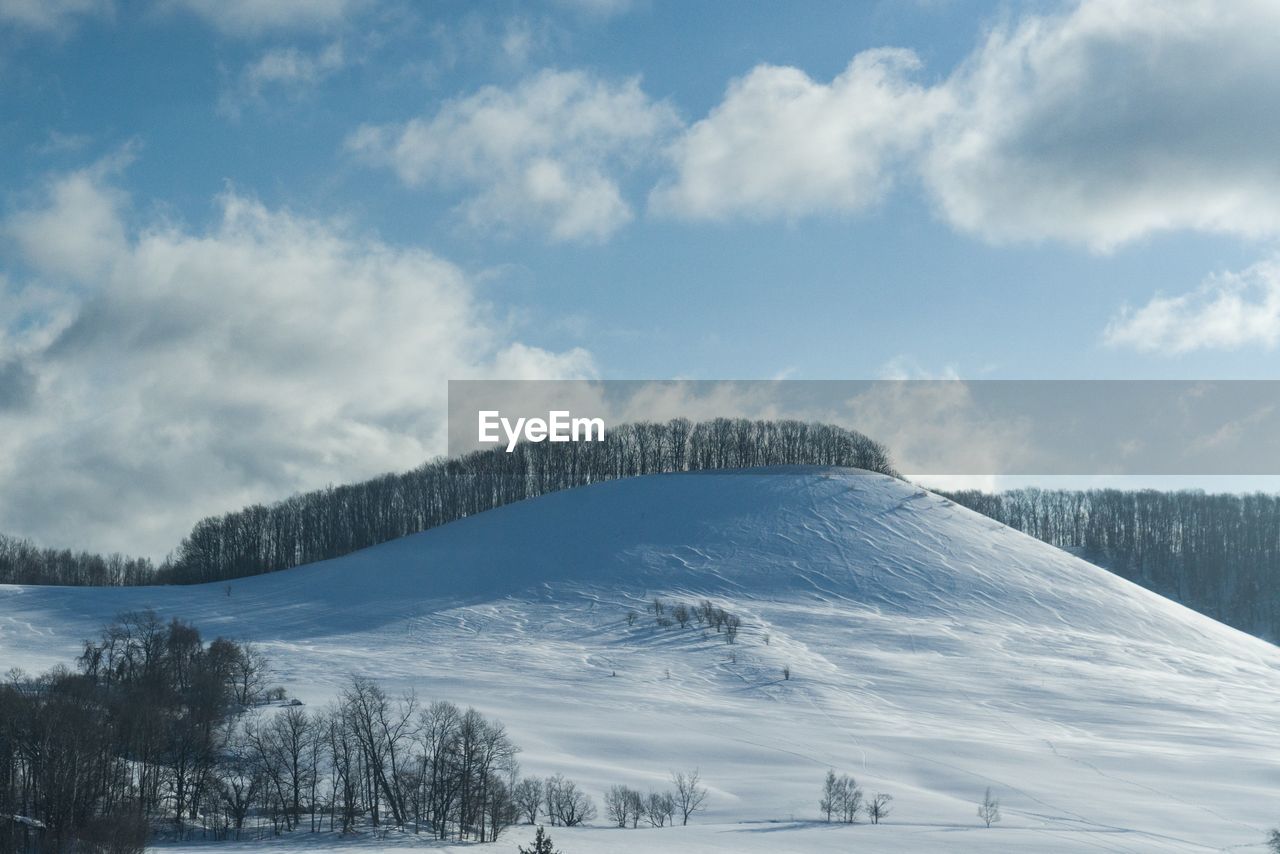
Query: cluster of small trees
(556,797)
(136,731)
(704,614)
(1217,554)
(625,806)
(369,760)
(842,800)
(156,728)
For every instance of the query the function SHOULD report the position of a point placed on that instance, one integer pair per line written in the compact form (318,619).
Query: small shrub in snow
(541,844)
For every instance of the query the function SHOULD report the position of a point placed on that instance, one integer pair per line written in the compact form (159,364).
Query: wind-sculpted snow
(934,653)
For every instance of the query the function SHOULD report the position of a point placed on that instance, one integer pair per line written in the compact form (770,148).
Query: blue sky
(246,243)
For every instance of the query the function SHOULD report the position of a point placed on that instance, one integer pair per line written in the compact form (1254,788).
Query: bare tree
(248,675)
(689,795)
(878,807)
(567,805)
(635,807)
(989,809)
(850,799)
(829,804)
(660,808)
(528,798)
(616,807)
(681,614)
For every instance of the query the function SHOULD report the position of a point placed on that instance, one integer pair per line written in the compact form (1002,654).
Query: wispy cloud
(291,70)
(56,17)
(253,18)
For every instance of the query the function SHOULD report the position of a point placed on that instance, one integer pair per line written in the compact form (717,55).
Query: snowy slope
(934,653)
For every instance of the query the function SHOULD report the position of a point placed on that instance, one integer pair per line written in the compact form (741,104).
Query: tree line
(1218,554)
(332,522)
(23,562)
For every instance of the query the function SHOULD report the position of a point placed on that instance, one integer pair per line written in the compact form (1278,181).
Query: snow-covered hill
(933,653)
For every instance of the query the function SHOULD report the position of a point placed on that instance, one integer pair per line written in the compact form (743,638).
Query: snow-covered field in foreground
(933,653)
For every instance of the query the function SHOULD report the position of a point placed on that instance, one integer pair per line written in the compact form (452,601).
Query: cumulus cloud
(78,233)
(544,153)
(1096,126)
(152,376)
(52,16)
(1228,311)
(781,144)
(1115,120)
(255,17)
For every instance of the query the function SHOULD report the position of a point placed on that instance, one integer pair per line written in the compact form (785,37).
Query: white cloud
(52,16)
(255,17)
(78,233)
(290,66)
(544,153)
(1228,311)
(1099,125)
(196,370)
(781,144)
(289,69)
(1114,120)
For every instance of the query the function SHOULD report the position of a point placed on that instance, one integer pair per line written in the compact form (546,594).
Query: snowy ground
(934,653)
